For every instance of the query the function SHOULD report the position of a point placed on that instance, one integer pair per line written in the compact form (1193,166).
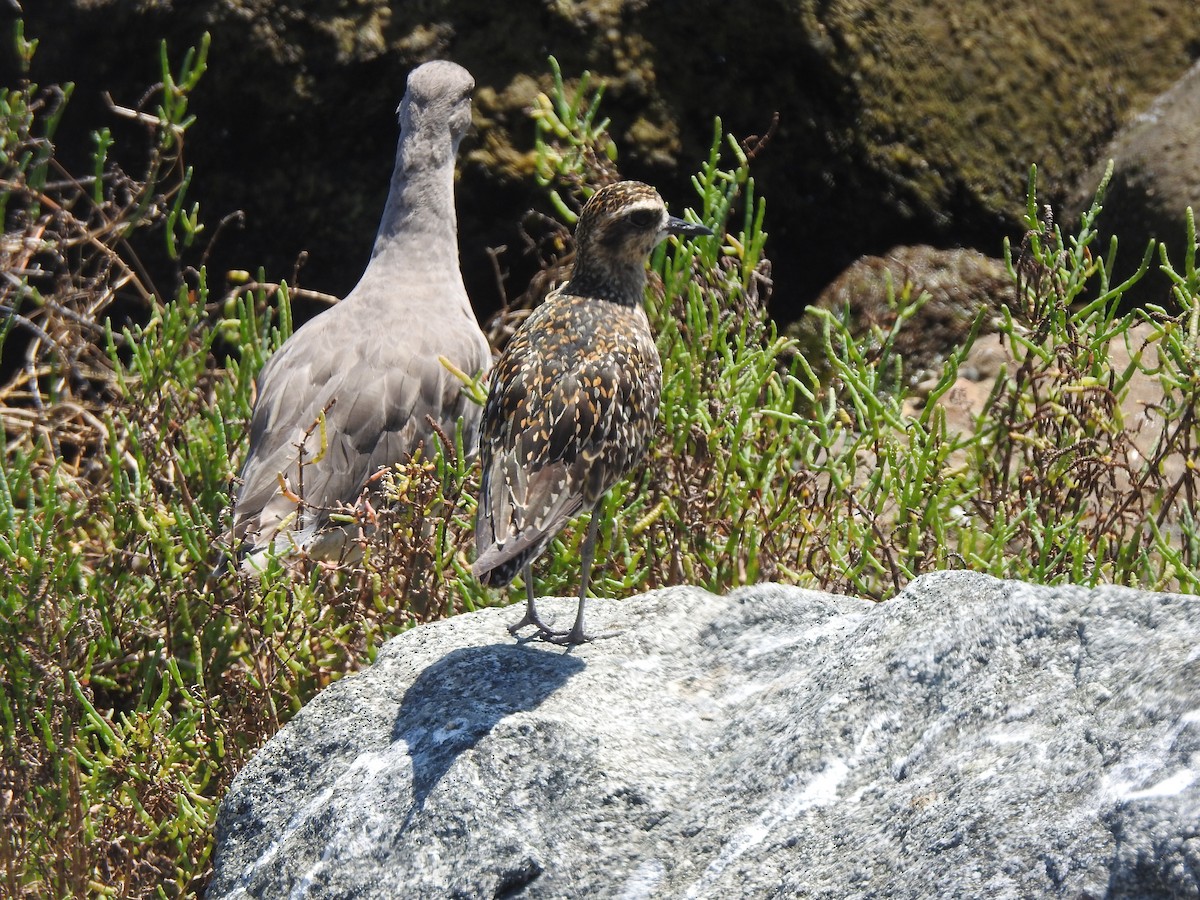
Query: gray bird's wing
(376,378)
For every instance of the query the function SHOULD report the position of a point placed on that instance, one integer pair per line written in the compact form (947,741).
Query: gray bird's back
(369,366)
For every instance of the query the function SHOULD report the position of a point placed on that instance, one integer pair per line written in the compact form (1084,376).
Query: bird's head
(438,98)
(620,225)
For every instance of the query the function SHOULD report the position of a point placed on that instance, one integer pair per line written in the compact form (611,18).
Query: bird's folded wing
(374,395)
(547,459)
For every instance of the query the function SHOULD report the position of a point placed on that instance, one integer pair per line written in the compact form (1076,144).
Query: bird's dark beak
(679,226)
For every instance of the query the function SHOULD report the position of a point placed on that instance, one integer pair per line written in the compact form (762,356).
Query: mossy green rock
(908,122)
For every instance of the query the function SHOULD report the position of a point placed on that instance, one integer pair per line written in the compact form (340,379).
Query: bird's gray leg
(588,553)
(531,616)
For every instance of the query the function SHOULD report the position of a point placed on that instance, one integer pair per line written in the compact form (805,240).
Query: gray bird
(574,397)
(370,364)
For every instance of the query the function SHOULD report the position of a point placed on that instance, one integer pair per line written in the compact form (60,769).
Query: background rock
(902,123)
(1156,176)
(970,737)
(960,284)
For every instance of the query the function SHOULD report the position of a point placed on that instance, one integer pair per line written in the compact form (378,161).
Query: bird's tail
(498,565)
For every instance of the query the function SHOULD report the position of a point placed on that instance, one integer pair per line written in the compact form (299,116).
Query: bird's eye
(643,218)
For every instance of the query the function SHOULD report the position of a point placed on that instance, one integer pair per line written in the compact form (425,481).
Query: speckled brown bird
(574,397)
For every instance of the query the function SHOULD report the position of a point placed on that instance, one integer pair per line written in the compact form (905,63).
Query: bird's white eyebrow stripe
(647,205)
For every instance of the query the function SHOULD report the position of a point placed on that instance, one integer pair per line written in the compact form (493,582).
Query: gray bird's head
(438,99)
(620,225)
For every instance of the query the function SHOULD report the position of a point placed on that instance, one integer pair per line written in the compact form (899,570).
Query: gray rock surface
(969,738)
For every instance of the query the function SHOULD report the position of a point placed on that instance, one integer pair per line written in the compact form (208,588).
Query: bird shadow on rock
(456,702)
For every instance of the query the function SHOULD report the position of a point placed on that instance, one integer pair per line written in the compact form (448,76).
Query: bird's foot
(566,638)
(574,636)
(543,630)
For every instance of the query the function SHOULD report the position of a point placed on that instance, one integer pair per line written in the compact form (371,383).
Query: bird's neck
(623,283)
(419,217)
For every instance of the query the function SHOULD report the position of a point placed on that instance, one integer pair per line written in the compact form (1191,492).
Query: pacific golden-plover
(355,388)
(574,397)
